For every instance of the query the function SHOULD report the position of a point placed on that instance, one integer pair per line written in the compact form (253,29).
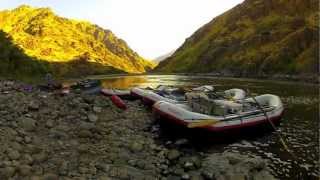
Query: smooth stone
(83,148)
(97,109)
(136,147)
(49,124)
(92,118)
(84,134)
(27,158)
(25,170)
(86,126)
(40,157)
(33,106)
(7,172)
(181,142)
(173,154)
(14,155)
(185,176)
(27,124)
(50,176)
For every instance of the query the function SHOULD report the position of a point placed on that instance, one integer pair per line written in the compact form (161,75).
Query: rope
(283,142)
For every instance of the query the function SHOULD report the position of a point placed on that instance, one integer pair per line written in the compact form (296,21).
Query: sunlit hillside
(257,37)
(43,35)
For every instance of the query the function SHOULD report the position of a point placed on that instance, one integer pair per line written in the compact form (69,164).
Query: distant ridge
(163,57)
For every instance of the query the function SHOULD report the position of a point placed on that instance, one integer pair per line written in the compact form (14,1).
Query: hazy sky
(150,27)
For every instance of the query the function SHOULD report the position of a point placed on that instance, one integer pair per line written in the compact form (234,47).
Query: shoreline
(46,135)
(283,79)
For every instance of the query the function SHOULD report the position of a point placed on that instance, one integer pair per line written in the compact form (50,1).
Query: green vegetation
(36,41)
(255,38)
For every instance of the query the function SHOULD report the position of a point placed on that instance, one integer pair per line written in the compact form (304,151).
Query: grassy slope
(43,35)
(257,37)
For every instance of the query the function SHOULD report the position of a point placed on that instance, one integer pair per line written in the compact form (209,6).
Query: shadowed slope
(14,63)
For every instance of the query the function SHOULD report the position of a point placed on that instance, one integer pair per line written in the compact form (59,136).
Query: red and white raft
(165,93)
(153,97)
(138,92)
(225,116)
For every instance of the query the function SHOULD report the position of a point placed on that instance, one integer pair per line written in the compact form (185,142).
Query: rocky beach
(49,136)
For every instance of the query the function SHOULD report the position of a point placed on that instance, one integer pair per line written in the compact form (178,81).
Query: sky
(150,27)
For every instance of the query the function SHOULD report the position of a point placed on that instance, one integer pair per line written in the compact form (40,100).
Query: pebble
(14,155)
(33,106)
(92,118)
(40,157)
(136,147)
(7,172)
(85,134)
(27,124)
(49,124)
(69,137)
(97,109)
(25,170)
(185,176)
(50,176)
(173,154)
(181,142)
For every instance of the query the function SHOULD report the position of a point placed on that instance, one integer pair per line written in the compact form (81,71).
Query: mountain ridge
(43,35)
(255,38)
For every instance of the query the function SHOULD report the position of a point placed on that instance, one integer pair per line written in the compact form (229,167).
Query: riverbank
(45,135)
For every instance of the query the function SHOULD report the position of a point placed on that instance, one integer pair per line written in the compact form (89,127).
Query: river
(299,126)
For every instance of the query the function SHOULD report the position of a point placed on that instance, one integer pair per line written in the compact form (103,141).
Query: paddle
(202,123)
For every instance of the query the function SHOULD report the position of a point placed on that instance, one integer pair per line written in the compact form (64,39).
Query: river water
(299,126)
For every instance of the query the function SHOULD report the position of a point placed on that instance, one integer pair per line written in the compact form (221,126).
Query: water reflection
(123,82)
(126,82)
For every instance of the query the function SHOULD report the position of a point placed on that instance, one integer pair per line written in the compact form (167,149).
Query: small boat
(152,97)
(222,115)
(92,91)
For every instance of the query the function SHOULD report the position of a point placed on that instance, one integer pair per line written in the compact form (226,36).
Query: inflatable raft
(165,93)
(126,94)
(153,97)
(222,115)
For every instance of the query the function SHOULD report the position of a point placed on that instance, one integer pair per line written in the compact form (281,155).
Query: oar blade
(202,123)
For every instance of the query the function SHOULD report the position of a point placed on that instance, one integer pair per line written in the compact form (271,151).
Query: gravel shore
(45,135)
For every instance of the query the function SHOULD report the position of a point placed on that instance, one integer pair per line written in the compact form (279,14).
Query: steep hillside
(255,38)
(14,63)
(43,35)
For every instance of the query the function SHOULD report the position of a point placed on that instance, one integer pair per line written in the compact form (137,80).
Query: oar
(202,123)
(283,142)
